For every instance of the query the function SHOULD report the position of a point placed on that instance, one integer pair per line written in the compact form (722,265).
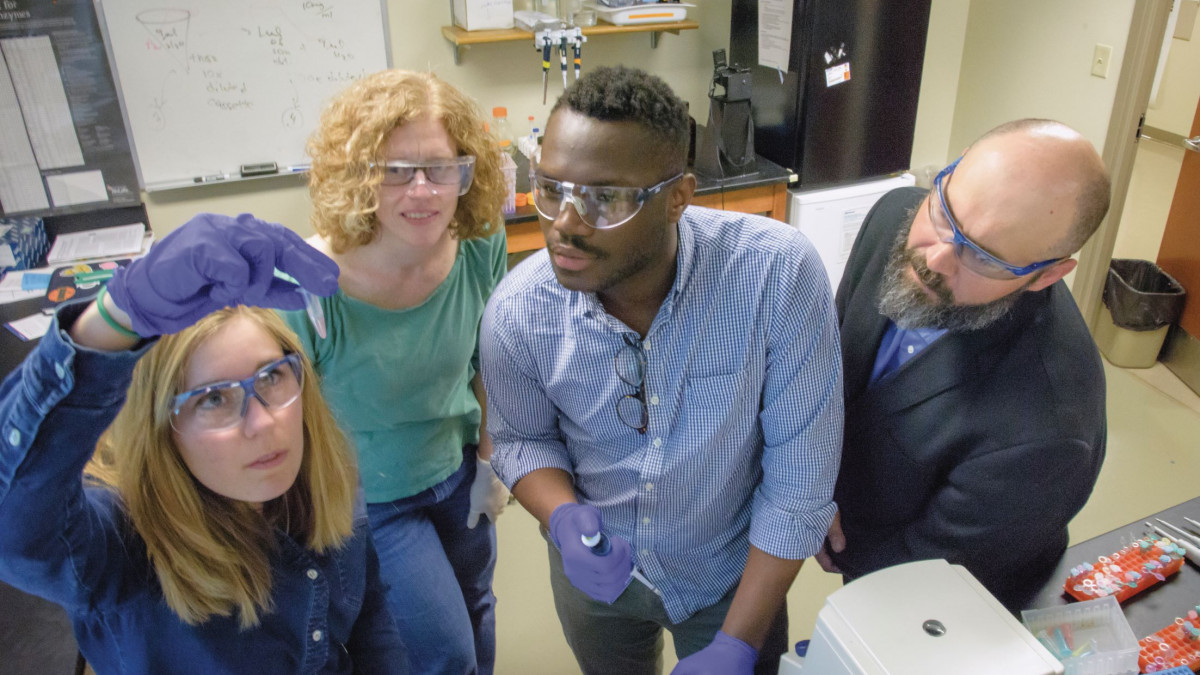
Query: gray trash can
(1142,302)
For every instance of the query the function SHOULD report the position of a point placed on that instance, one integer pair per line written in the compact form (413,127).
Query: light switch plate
(1100,58)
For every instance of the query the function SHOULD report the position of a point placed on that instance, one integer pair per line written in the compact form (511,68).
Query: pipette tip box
(1089,638)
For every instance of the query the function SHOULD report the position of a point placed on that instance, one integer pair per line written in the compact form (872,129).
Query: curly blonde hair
(345,189)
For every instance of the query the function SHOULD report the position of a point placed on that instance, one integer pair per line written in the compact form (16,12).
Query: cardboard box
(483,14)
(23,243)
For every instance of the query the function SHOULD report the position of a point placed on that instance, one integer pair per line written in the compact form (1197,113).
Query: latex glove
(215,261)
(835,542)
(488,494)
(725,655)
(602,577)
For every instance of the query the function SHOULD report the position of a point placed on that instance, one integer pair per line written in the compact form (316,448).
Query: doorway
(1179,256)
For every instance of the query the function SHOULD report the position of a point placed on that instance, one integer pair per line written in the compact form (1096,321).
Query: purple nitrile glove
(725,655)
(602,577)
(215,261)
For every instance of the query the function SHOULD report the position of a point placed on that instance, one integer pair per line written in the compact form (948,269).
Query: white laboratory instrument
(831,217)
(922,618)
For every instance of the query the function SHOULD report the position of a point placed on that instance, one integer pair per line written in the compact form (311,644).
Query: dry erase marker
(211,179)
(316,315)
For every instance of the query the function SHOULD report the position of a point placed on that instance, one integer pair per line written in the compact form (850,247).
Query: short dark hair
(621,94)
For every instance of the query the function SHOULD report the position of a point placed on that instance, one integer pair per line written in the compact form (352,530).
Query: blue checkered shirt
(743,387)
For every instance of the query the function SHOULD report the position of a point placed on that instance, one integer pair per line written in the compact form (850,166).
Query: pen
(210,179)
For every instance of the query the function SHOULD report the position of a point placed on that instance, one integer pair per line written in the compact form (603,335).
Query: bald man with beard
(975,418)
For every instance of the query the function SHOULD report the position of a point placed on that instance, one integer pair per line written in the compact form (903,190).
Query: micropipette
(600,545)
(578,53)
(562,56)
(545,65)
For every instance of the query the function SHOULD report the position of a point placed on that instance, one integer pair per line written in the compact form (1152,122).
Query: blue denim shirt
(743,387)
(75,546)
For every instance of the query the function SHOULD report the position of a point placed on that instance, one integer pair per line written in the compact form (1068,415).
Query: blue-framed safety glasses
(222,405)
(972,255)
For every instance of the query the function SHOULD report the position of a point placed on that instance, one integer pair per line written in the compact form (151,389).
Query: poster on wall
(63,146)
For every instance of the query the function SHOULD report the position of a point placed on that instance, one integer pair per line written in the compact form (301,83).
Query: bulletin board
(209,87)
(63,147)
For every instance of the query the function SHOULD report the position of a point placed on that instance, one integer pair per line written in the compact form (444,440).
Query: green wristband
(112,323)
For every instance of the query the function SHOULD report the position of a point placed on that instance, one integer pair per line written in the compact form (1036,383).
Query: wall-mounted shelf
(461,39)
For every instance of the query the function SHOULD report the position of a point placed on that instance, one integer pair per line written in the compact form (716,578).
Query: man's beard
(909,306)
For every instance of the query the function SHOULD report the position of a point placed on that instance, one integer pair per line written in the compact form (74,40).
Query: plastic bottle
(502,130)
(509,166)
(528,145)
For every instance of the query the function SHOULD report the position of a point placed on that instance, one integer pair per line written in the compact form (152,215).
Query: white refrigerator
(831,217)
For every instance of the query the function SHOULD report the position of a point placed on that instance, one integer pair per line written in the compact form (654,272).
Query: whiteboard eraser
(263,169)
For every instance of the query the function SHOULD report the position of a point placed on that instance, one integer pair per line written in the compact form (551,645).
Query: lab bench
(1151,609)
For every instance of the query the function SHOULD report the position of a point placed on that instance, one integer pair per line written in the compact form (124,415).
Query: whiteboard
(210,86)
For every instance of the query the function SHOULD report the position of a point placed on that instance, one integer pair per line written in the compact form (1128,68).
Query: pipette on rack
(545,65)
(1193,523)
(578,52)
(562,56)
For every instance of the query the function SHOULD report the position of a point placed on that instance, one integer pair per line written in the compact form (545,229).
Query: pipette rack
(1176,645)
(1127,572)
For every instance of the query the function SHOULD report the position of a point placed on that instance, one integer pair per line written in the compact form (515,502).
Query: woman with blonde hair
(217,530)
(406,186)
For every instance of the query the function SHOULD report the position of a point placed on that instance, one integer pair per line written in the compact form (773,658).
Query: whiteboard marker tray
(659,12)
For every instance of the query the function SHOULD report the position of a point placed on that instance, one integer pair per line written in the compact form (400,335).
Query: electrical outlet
(1100,58)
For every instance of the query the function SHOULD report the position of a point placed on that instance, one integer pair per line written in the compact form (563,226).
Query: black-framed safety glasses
(457,172)
(630,364)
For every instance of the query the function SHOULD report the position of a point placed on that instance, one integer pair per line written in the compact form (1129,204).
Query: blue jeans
(440,575)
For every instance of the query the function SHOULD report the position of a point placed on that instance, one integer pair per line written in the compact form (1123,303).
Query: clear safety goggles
(439,173)
(222,405)
(600,206)
(972,255)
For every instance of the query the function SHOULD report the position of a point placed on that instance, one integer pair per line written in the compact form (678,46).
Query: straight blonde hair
(212,554)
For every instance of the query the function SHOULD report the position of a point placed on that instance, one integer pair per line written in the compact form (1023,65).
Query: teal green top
(399,381)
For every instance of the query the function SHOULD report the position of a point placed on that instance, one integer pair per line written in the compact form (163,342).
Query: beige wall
(506,74)
(939,87)
(986,62)
(1032,58)
(1175,107)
